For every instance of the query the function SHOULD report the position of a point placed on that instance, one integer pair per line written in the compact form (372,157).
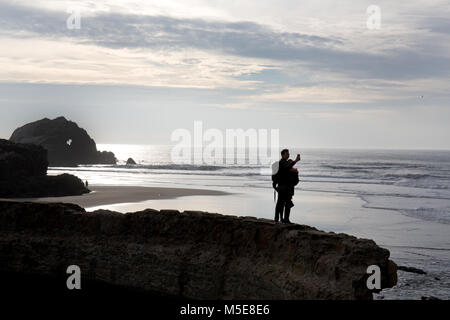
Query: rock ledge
(190,254)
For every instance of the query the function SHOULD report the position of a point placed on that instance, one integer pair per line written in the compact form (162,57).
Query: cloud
(243,39)
(72,63)
(438,24)
(118,30)
(319,94)
(118,47)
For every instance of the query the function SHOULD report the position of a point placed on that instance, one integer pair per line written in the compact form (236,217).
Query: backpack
(275,173)
(293,177)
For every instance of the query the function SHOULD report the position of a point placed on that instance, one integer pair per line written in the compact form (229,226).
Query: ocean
(399,198)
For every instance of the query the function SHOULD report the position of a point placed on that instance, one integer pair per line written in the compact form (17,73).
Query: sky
(325,73)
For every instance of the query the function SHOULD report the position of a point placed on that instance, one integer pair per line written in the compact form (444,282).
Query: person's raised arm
(287,165)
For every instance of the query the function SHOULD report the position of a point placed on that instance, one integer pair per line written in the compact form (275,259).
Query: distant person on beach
(284,179)
(87,184)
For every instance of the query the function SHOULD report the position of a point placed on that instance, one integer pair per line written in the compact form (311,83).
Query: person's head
(285,154)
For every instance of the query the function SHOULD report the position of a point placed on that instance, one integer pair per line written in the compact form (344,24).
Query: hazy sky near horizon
(137,70)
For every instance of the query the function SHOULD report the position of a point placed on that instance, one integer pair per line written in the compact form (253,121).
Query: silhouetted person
(87,184)
(284,186)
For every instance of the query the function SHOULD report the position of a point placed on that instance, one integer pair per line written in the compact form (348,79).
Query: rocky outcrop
(429,298)
(23,173)
(21,160)
(66,143)
(190,254)
(130,161)
(105,157)
(43,186)
(411,269)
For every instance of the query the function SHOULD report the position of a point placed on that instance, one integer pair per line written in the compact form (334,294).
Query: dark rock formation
(21,160)
(130,161)
(66,143)
(411,269)
(105,157)
(190,254)
(23,169)
(429,298)
(42,186)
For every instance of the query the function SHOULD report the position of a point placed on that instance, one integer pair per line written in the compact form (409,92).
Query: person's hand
(297,159)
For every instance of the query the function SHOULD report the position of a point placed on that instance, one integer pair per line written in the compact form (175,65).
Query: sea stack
(130,161)
(23,173)
(66,143)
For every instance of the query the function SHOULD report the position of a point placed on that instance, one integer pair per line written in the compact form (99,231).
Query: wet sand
(105,195)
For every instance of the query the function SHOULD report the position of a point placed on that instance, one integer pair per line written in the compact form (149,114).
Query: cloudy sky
(137,70)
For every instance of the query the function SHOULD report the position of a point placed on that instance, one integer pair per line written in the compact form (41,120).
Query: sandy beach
(106,195)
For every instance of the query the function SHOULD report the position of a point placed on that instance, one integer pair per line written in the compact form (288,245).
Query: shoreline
(109,195)
(408,239)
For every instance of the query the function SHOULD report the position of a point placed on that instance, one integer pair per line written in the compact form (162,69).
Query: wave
(160,169)
(412,176)
(429,214)
(372,166)
(428,180)
(184,167)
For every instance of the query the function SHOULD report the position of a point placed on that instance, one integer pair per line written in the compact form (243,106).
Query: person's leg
(283,203)
(282,196)
(287,210)
(279,209)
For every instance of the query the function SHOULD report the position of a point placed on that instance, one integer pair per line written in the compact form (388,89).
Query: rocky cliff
(23,173)
(190,254)
(66,143)
(18,160)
